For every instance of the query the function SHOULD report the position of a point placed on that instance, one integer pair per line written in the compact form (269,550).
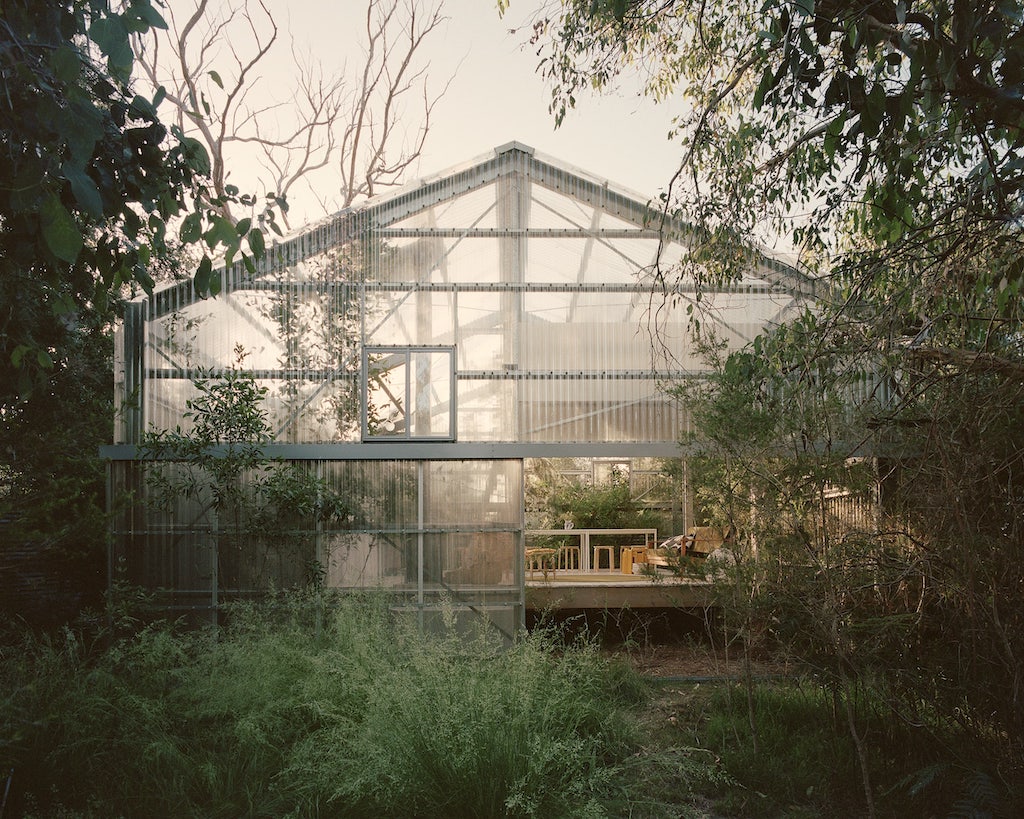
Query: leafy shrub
(306,707)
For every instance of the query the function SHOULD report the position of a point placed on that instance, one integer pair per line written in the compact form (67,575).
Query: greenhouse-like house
(415,355)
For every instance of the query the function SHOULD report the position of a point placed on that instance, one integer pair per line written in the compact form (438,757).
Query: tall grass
(356,713)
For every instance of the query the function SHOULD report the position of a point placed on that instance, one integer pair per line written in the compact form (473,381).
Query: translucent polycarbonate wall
(513,301)
(434,536)
(172,537)
(537,280)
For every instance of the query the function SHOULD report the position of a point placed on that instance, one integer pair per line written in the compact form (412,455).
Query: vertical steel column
(132,401)
(418,421)
(513,215)
(420,516)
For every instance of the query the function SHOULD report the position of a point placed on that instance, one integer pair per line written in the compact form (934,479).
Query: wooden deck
(612,590)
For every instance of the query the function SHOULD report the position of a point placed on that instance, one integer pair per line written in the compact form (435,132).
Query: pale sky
(496,97)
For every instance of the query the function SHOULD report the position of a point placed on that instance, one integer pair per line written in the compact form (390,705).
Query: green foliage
(301,706)
(914,597)
(892,106)
(803,765)
(261,507)
(229,425)
(799,759)
(778,431)
(883,140)
(366,716)
(595,507)
(883,598)
(553,498)
(52,481)
(93,179)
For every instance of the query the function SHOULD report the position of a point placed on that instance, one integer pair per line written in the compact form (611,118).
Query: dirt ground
(662,643)
(685,674)
(696,661)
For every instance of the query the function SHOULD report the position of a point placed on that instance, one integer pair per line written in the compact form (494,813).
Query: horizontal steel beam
(528,233)
(434,451)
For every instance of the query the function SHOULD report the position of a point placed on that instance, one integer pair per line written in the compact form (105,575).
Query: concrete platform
(601,590)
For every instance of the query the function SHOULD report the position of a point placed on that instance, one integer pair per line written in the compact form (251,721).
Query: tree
(210,59)
(93,187)
(92,179)
(884,141)
(826,583)
(52,483)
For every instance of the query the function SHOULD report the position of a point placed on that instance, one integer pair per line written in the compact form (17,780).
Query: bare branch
(363,128)
(374,153)
(970,359)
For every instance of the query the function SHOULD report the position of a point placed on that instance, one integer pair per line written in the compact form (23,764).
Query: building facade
(413,355)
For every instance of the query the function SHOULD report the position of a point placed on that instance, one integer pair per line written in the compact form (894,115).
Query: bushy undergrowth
(803,763)
(352,713)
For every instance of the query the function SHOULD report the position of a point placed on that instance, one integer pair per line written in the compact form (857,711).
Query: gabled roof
(383,211)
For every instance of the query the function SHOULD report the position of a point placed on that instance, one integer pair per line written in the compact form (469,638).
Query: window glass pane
(386,383)
(410,393)
(431,394)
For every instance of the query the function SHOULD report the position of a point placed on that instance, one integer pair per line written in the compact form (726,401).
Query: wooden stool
(630,555)
(597,557)
(569,557)
(540,559)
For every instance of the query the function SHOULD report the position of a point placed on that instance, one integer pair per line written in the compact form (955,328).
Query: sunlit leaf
(190,228)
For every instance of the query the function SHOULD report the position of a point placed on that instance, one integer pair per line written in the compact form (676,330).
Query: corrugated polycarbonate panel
(413,527)
(540,277)
(487,410)
(171,534)
(365,560)
(473,493)
(410,495)
(410,318)
(559,410)
(385,492)
(474,566)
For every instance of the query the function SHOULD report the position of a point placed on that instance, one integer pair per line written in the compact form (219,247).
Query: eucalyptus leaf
(191,228)
(149,14)
(111,35)
(256,243)
(84,189)
(201,280)
(61,234)
(221,231)
(216,282)
(67,63)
